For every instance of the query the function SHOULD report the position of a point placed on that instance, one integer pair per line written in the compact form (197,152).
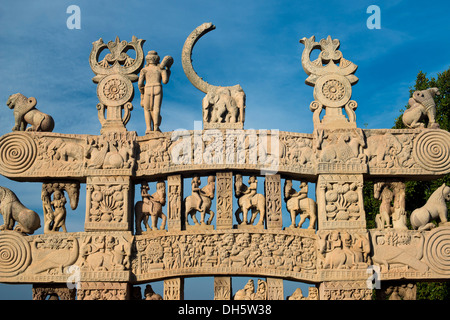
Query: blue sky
(255,44)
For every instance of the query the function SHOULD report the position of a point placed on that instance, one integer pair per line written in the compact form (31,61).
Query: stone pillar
(275,289)
(104,291)
(53,291)
(174,289)
(224,198)
(344,290)
(272,187)
(174,205)
(222,288)
(109,203)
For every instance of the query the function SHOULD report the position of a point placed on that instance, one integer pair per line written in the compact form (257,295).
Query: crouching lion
(14,211)
(26,113)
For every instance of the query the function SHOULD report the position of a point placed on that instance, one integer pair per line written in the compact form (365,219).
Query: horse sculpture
(201,203)
(297,203)
(248,199)
(434,208)
(151,206)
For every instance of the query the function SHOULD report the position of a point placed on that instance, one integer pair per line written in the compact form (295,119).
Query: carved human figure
(383,218)
(200,200)
(151,206)
(59,211)
(149,83)
(298,203)
(248,199)
(247,293)
(150,294)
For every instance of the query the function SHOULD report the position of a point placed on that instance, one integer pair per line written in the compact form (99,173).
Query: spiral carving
(15,254)
(432,150)
(17,153)
(437,250)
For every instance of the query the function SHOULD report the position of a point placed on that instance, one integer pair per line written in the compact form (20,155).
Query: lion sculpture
(25,113)
(422,106)
(14,211)
(434,208)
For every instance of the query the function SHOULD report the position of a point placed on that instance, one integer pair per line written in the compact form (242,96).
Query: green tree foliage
(418,192)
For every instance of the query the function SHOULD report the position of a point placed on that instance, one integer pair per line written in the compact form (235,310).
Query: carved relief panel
(340,201)
(224,200)
(215,252)
(109,203)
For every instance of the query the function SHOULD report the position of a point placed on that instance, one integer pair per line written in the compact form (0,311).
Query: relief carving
(54,211)
(102,252)
(392,207)
(200,201)
(248,293)
(269,251)
(313,294)
(398,249)
(249,200)
(297,203)
(151,207)
(343,250)
(108,203)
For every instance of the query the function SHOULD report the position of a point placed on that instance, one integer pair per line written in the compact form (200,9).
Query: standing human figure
(149,84)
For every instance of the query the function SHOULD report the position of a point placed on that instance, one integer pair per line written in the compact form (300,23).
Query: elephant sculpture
(14,211)
(25,113)
(422,106)
(221,104)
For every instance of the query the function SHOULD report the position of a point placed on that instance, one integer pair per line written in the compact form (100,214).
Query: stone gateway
(166,233)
